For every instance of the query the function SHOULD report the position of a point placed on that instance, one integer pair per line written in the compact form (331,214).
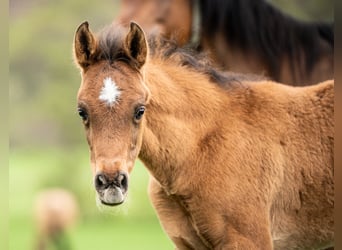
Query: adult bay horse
(247,36)
(235,163)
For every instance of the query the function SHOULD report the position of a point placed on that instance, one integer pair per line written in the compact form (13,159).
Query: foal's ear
(136,45)
(84,45)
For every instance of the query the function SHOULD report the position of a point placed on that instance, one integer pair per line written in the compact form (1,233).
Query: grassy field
(113,233)
(132,226)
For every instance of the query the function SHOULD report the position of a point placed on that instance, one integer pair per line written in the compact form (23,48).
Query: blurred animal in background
(247,36)
(235,162)
(55,212)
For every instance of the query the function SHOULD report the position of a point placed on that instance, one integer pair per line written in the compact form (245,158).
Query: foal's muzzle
(112,189)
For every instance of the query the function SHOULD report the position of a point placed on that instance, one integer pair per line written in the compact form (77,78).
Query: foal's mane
(257,25)
(111,48)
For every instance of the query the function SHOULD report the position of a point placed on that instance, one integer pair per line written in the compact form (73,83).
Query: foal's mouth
(112,196)
(111,204)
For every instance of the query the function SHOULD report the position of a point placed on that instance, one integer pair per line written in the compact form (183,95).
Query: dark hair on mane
(188,57)
(111,43)
(110,48)
(257,25)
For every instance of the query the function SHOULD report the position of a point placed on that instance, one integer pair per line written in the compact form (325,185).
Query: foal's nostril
(123,181)
(101,181)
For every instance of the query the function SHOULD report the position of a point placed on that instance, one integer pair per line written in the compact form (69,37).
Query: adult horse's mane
(257,25)
(110,48)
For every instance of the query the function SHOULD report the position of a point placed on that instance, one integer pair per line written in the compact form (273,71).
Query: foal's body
(254,162)
(234,164)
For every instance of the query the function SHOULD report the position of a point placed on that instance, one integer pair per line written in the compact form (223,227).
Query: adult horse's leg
(174,220)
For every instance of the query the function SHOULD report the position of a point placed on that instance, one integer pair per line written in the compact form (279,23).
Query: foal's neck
(183,109)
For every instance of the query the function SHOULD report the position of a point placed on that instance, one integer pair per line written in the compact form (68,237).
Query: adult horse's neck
(252,36)
(183,110)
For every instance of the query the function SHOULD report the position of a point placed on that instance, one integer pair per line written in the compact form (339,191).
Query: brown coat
(234,163)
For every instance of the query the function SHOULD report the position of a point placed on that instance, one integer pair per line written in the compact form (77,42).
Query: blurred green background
(47,144)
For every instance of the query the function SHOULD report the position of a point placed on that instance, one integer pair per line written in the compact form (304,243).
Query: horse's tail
(326,32)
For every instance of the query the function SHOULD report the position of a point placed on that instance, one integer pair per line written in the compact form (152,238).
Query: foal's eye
(139,112)
(83,114)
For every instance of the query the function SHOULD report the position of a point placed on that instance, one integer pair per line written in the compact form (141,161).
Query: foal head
(111,102)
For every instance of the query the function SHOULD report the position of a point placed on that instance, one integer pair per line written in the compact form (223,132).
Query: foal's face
(111,102)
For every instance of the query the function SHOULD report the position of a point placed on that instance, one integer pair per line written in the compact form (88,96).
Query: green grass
(133,225)
(125,235)
(113,233)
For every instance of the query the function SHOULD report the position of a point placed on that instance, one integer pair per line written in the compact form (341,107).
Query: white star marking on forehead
(110,92)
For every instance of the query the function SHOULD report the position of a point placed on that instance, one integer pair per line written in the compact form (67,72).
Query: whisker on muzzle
(122,209)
